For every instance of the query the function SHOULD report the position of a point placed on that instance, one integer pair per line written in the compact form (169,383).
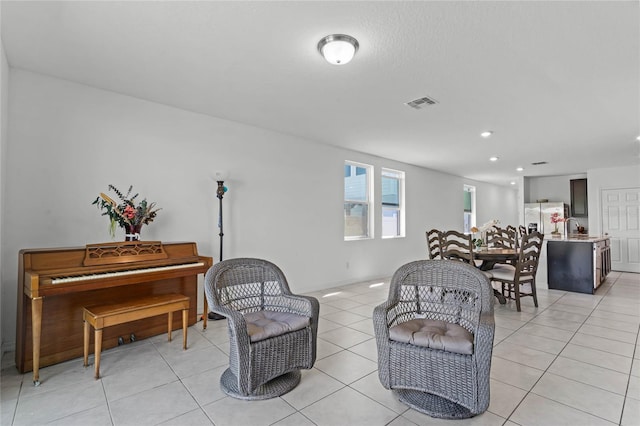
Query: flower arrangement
(126,214)
(483,230)
(556,219)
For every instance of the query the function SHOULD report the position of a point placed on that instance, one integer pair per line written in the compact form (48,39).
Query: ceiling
(555,81)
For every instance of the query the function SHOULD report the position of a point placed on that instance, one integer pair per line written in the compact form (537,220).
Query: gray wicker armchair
(272,333)
(435,338)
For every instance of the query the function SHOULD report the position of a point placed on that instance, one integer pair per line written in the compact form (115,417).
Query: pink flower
(129,212)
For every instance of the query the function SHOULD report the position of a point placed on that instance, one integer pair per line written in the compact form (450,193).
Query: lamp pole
(220,194)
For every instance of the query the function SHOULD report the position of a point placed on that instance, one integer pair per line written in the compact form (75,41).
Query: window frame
(399,208)
(368,203)
(472,214)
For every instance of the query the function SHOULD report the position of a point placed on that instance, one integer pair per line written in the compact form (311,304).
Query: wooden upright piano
(55,284)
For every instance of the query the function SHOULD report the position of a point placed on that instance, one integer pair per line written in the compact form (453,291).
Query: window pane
(390,222)
(390,191)
(356,220)
(467,201)
(355,187)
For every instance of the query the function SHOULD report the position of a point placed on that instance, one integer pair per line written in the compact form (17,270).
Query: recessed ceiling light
(638,138)
(486,134)
(493,159)
(519,169)
(512,183)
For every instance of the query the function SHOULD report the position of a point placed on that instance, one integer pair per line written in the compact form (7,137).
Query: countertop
(577,238)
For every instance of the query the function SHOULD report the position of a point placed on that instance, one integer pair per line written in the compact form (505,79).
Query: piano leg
(185,325)
(36,324)
(98,350)
(206,313)
(87,336)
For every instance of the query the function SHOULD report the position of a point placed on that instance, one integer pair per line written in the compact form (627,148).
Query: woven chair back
(442,290)
(249,285)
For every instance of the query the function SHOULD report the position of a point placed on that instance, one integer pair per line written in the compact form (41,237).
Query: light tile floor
(574,360)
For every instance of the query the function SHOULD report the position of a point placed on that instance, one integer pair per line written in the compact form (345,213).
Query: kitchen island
(578,262)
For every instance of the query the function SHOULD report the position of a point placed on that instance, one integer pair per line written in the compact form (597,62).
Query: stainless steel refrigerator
(540,214)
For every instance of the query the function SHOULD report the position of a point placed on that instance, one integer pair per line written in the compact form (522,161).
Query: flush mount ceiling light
(486,134)
(338,49)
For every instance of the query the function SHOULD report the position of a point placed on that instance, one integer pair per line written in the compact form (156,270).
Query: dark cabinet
(577,266)
(579,205)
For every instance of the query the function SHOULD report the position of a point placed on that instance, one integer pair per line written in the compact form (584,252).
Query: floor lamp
(220,194)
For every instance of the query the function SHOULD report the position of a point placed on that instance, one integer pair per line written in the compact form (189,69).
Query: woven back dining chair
(272,332)
(523,271)
(434,336)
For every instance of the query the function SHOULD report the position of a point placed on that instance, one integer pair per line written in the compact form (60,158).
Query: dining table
(492,255)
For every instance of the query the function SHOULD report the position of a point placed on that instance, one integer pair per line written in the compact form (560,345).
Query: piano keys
(55,284)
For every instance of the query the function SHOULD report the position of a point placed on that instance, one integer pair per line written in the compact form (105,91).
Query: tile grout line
(633,359)
(530,391)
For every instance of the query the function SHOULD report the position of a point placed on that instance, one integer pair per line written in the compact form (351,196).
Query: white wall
(4,111)
(495,202)
(67,142)
(553,188)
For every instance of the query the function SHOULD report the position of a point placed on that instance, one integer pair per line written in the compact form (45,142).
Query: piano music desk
(108,315)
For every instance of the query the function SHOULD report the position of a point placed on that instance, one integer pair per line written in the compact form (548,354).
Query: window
(392,203)
(357,199)
(469,194)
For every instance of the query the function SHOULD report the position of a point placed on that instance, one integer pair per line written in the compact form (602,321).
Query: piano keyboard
(62,280)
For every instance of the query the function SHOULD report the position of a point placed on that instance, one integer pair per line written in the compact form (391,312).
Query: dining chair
(433,244)
(523,272)
(503,237)
(522,231)
(455,245)
(434,337)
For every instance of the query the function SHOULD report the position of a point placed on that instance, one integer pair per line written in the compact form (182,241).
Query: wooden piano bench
(132,310)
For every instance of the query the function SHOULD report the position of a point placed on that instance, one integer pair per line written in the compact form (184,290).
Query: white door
(621,221)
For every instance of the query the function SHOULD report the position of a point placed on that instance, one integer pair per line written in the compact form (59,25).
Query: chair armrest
(236,323)
(381,331)
(380,319)
(302,305)
(484,335)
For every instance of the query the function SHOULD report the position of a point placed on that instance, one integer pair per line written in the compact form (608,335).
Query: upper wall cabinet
(579,197)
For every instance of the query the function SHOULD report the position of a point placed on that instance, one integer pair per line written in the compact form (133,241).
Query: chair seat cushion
(508,274)
(434,334)
(264,324)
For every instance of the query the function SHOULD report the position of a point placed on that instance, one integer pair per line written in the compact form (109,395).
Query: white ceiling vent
(421,102)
